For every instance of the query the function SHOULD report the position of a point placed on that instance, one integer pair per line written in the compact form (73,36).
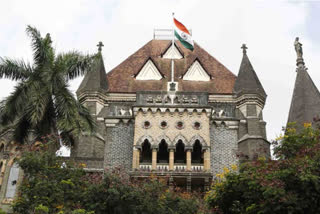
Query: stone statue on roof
(298,47)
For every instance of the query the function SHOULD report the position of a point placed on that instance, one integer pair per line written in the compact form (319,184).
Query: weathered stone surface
(224,148)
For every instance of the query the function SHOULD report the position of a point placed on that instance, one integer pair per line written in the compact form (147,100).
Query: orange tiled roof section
(121,79)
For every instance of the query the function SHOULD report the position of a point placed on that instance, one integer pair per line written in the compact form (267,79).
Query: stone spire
(305,103)
(247,81)
(96,79)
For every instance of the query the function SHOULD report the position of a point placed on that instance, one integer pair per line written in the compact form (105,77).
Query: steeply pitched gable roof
(247,80)
(121,78)
(95,80)
(305,103)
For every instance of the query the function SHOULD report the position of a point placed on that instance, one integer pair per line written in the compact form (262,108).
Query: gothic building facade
(186,125)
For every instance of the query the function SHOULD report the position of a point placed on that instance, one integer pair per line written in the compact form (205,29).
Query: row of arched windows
(163,152)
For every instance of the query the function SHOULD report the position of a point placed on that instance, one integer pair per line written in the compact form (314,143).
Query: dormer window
(149,72)
(196,73)
(172,53)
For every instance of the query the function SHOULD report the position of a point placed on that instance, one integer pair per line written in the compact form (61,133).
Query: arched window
(146,153)
(197,155)
(12,181)
(180,154)
(163,154)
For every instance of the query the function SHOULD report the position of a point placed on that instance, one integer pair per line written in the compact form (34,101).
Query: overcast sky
(267,27)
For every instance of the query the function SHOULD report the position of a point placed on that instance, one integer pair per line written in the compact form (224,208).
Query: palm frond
(22,127)
(42,50)
(71,115)
(39,100)
(12,106)
(14,69)
(74,64)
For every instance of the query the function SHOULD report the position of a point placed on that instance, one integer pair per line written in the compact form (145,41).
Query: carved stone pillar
(171,159)
(188,160)
(154,159)
(206,160)
(138,159)
(134,159)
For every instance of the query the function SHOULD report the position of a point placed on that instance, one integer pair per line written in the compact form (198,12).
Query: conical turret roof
(247,80)
(305,103)
(95,80)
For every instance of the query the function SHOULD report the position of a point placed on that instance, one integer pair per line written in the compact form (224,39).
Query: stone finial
(244,48)
(100,45)
(298,48)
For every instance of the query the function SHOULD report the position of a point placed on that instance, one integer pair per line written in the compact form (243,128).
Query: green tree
(41,101)
(290,184)
(54,185)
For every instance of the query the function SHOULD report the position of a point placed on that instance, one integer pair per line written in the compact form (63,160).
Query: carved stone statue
(298,47)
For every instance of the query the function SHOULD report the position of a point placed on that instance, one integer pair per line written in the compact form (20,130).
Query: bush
(290,184)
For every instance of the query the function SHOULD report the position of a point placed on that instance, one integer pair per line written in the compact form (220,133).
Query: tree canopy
(290,184)
(41,102)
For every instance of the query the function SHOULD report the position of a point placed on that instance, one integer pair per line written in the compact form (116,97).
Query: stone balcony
(164,167)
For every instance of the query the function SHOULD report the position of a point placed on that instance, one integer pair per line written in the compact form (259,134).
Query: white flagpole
(172,61)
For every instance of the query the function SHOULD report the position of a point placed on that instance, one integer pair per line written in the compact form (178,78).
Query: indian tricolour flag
(182,33)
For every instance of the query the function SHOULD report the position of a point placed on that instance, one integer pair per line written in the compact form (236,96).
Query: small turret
(94,85)
(251,98)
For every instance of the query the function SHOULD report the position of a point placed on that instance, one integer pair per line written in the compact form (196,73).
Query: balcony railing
(161,167)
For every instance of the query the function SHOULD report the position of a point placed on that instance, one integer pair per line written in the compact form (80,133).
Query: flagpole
(172,61)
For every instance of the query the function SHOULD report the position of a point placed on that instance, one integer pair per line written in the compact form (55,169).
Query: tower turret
(94,85)
(305,103)
(251,98)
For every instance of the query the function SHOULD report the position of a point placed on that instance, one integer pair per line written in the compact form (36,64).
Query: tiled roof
(121,78)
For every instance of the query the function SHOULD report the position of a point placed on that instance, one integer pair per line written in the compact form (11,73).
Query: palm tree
(41,103)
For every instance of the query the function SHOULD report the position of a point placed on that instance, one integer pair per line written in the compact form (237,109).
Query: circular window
(146,124)
(180,125)
(163,124)
(196,125)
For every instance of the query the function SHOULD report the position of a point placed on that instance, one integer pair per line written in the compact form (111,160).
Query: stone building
(187,128)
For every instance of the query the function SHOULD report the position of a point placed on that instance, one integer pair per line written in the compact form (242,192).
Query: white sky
(267,27)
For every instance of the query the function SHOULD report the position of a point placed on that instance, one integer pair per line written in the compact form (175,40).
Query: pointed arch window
(12,181)
(197,154)
(163,154)
(180,154)
(146,153)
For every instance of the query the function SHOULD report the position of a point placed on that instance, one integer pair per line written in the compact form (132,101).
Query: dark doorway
(146,153)
(163,154)
(180,154)
(197,155)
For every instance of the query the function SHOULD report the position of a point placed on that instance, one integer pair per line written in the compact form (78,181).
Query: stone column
(206,184)
(134,159)
(188,160)
(138,159)
(206,160)
(171,159)
(188,184)
(154,159)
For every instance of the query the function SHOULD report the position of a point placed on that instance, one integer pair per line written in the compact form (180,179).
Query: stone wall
(223,148)
(119,146)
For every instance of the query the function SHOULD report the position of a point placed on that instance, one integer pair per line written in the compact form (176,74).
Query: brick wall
(119,146)
(223,148)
